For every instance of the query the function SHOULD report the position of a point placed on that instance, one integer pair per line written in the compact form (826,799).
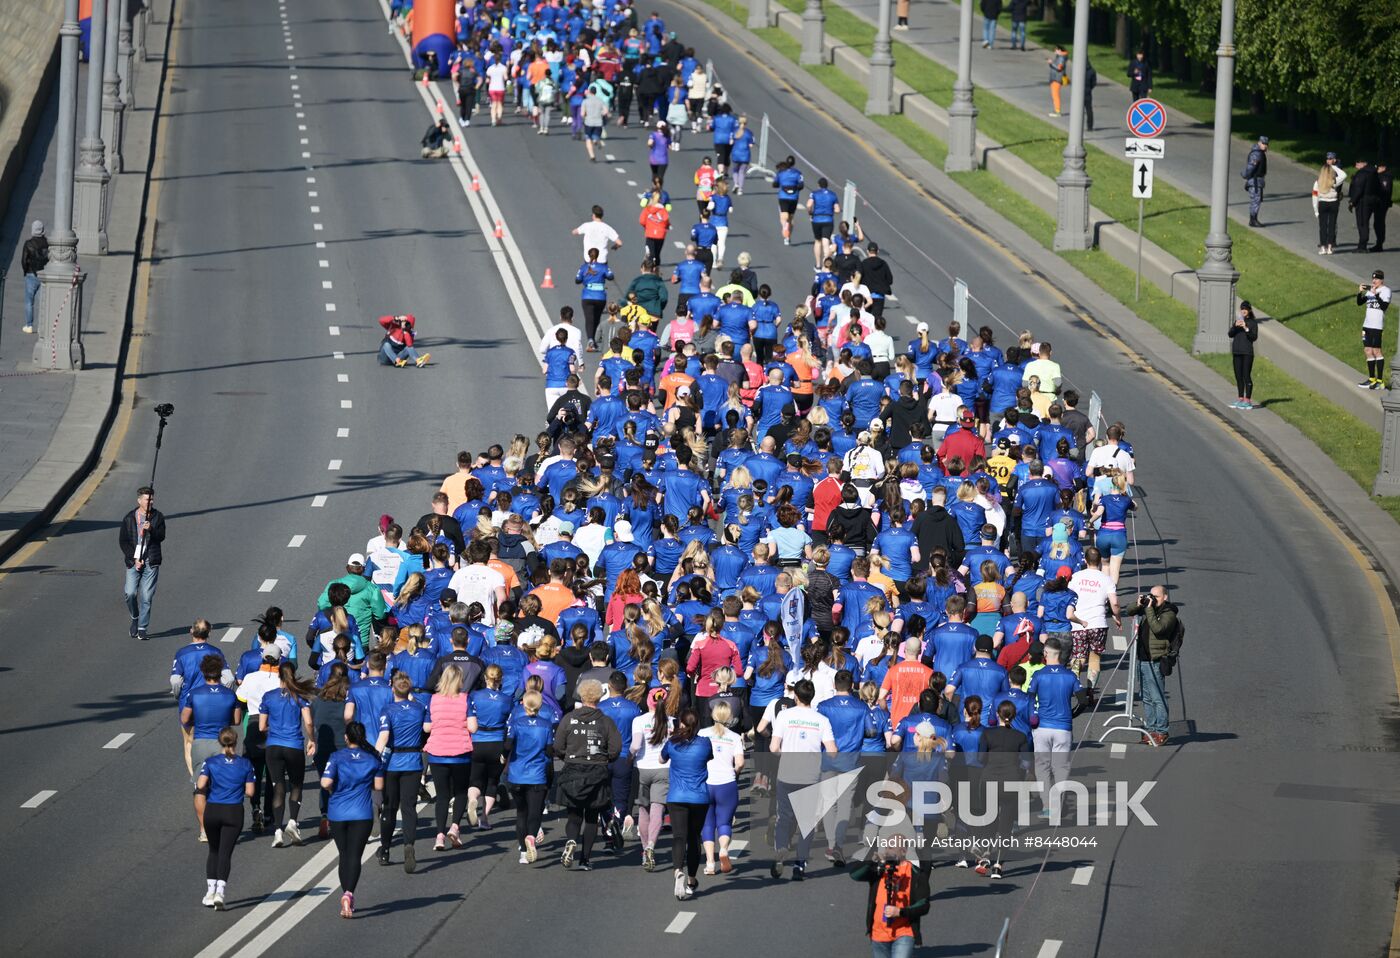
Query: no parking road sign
(1146,118)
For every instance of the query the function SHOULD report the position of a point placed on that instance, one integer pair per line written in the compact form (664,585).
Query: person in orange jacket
(655,223)
(397,348)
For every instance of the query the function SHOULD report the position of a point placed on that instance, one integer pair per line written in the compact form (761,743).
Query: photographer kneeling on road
(1159,636)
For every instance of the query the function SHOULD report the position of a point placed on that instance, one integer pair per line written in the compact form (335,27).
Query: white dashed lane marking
(232,634)
(326,284)
(330,307)
(334,465)
(342,433)
(1117,750)
(296,542)
(342,378)
(1120,643)
(267,585)
(346,404)
(40,798)
(1049,949)
(333,330)
(337,355)
(680,922)
(1082,875)
(324,263)
(318,502)
(120,740)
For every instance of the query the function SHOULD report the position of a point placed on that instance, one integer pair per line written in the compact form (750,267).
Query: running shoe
(293,832)
(592,346)
(259,823)
(539,835)
(776,869)
(410,859)
(218,901)
(1375,384)
(484,823)
(441,844)
(524,858)
(141,635)
(203,838)
(347,905)
(1365,383)
(963,863)
(983,866)
(133,628)
(324,831)
(27,329)
(1246,406)
(615,834)
(725,865)
(584,865)
(996,872)
(401,362)
(208,901)
(1236,404)
(709,869)
(682,893)
(278,840)
(838,858)
(567,858)
(472,818)
(648,859)
(531,852)
(799,871)
(454,836)
(383,857)
(422,360)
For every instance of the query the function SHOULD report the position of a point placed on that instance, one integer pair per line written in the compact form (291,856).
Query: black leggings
(592,313)
(529,810)
(487,767)
(400,797)
(287,769)
(350,840)
(583,821)
(687,819)
(222,824)
(763,349)
(450,781)
(654,248)
(1244,378)
(1327,222)
(658,171)
(254,742)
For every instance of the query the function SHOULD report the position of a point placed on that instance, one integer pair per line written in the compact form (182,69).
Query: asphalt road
(1288,643)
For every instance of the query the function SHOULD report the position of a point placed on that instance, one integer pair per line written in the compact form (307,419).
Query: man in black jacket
(877,276)
(903,413)
(1362,196)
(33,257)
(937,529)
(434,142)
(447,525)
(587,741)
(142,532)
(1385,196)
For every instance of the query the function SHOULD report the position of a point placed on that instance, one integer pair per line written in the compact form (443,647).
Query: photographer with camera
(898,897)
(1159,637)
(397,347)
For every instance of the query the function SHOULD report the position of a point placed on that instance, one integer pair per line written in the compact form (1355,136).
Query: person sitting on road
(397,347)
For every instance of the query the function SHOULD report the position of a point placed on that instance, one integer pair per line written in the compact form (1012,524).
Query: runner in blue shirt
(687,798)
(529,757)
(900,549)
(400,736)
(351,775)
(593,277)
(687,276)
(1053,689)
(1035,499)
(789,183)
(824,206)
(705,236)
(224,779)
(285,719)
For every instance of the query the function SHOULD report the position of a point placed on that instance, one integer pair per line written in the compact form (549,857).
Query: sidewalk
(52,424)
(1021,79)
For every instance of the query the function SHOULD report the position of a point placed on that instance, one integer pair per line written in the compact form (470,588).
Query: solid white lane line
(342,433)
(342,378)
(680,922)
(40,798)
(347,404)
(120,740)
(1082,875)
(334,465)
(232,634)
(267,585)
(269,906)
(296,542)
(318,502)
(1049,949)
(333,330)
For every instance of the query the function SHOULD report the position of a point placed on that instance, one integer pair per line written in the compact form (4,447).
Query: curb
(1344,502)
(82,431)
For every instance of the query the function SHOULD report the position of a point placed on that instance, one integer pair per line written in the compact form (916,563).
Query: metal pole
(1072,185)
(1388,478)
(1215,305)
(60,293)
(848,201)
(962,115)
(960,303)
(880,102)
(1137,280)
(127,52)
(758,15)
(813,27)
(113,109)
(91,181)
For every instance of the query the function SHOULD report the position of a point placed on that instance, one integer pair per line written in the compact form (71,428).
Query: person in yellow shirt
(1001,464)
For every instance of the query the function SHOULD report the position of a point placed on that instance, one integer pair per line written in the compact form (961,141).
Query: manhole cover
(70,572)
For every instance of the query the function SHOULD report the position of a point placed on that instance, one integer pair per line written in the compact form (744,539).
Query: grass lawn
(1349,442)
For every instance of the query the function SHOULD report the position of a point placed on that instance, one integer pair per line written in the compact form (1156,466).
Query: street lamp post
(813,26)
(127,52)
(962,115)
(1215,304)
(91,180)
(113,109)
(1072,229)
(1388,479)
(881,66)
(61,290)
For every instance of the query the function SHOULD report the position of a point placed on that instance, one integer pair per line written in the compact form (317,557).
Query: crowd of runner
(764,529)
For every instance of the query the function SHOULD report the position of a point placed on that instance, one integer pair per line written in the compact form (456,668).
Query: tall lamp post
(1072,185)
(1215,304)
(91,181)
(880,102)
(813,27)
(113,109)
(61,286)
(962,115)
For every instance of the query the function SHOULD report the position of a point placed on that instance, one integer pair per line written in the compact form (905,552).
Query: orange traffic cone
(439,108)
(457,147)
(425,79)
(476,183)
(500,229)
(548,280)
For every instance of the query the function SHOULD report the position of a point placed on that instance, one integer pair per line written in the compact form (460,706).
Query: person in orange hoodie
(655,223)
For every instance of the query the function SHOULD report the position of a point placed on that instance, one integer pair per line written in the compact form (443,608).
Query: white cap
(355,559)
(925,728)
(921,328)
(622,530)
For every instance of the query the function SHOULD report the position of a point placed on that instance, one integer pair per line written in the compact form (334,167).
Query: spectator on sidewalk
(1140,76)
(1243,332)
(1385,184)
(1362,197)
(1018,23)
(1059,76)
(1256,168)
(901,15)
(1091,80)
(1327,199)
(33,257)
(991,9)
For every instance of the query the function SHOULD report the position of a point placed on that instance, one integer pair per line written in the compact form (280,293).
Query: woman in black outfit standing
(1243,332)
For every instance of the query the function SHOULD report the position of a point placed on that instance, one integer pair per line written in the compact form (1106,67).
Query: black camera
(165,410)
